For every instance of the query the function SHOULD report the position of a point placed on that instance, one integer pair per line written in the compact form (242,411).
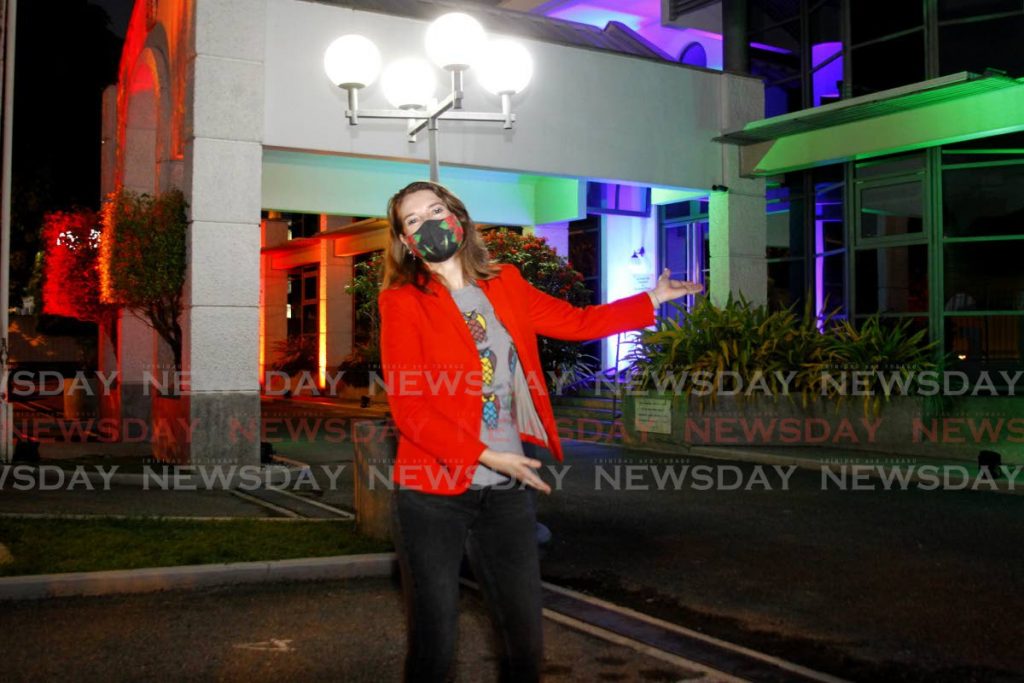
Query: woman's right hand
(514,465)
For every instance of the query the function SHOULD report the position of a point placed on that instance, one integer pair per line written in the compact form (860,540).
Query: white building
(227,99)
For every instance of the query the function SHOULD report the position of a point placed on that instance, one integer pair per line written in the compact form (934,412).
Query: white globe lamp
(506,67)
(352,61)
(409,83)
(455,41)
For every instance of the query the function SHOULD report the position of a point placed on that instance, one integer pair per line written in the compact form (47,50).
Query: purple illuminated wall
(827,79)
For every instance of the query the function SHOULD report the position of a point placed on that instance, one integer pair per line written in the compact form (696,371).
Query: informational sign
(653,415)
(642,281)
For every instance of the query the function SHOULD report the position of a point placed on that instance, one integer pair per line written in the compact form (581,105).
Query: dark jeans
(497,528)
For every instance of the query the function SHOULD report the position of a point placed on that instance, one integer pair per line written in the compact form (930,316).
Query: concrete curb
(194,576)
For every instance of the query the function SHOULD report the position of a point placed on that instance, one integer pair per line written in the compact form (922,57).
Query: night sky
(67,53)
(119,11)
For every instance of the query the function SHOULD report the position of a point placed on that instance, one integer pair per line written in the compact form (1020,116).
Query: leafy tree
(143,259)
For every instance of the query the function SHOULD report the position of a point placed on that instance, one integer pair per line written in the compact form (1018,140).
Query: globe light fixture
(352,61)
(454,42)
(506,67)
(409,83)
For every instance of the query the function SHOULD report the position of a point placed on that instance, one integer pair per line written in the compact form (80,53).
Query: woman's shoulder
(403,292)
(508,271)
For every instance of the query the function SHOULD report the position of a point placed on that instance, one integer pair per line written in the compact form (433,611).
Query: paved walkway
(309,631)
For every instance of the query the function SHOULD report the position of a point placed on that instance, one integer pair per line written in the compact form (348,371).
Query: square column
(222,174)
(273,298)
(336,306)
(738,233)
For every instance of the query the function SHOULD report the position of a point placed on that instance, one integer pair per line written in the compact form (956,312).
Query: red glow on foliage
(71,243)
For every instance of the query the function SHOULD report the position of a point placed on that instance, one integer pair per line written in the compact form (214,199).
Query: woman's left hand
(668,289)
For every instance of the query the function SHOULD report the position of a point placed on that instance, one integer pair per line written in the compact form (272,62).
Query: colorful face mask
(437,240)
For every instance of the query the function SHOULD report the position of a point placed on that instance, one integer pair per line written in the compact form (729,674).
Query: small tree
(71,267)
(142,259)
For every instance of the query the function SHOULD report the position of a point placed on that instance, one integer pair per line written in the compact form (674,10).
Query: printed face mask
(437,240)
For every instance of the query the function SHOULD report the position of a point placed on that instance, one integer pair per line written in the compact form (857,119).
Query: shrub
(296,354)
(741,340)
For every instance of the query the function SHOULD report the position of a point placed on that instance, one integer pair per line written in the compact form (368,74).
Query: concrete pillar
(738,220)
(335,305)
(135,338)
(273,296)
(223,157)
(135,351)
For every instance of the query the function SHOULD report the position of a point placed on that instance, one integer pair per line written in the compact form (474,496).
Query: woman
(467,394)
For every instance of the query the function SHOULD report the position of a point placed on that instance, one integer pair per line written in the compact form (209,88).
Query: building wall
(586,114)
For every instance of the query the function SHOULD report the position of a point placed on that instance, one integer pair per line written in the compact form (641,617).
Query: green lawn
(43,546)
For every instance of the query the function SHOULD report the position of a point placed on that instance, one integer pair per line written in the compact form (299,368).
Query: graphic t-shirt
(498,360)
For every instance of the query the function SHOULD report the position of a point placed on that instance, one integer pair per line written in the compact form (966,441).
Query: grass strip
(44,546)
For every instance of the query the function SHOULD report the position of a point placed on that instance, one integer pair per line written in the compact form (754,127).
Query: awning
(953,108)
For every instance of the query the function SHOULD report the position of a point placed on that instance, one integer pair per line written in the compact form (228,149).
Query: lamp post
(456,43)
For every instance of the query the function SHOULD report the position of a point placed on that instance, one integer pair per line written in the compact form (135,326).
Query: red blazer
(431,369)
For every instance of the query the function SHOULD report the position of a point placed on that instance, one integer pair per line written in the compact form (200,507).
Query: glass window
(585,253)
(995,148)
(983,201)
(302,224)
(829,241)
(892,280)
(830,274)
(888,64)
(870,19)
(904,163)
(776,23)
(981,339)
(960,9)
(887,210)
(984,276)
(686,255)
(786,284)
(781,75)
(979,45)
(309,287)
(826,21)
(310,316)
